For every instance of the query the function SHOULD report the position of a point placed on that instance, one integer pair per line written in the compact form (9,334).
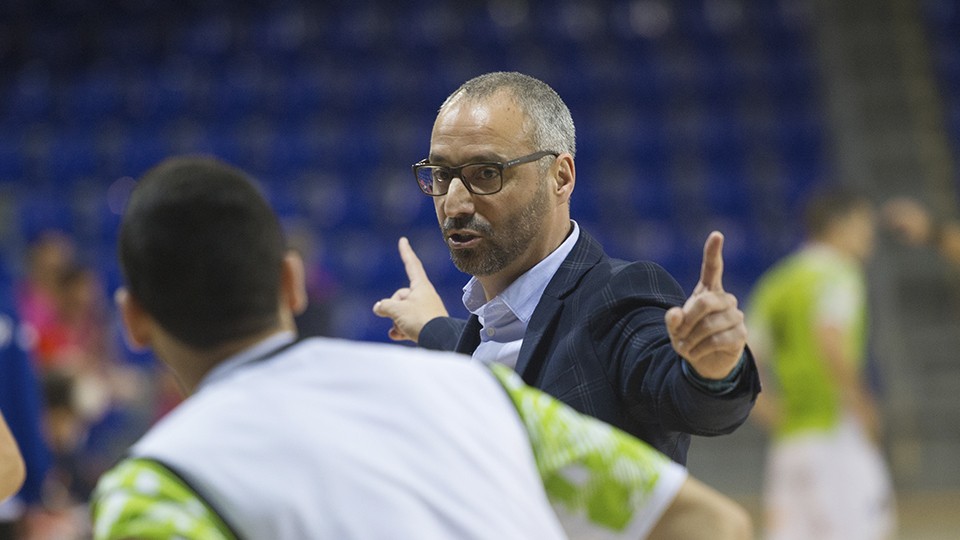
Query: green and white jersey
(602,482)
(140,498)
(815,287)
(332,439)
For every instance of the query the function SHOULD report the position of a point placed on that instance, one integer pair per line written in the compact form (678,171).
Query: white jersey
(335,439)
(330,439)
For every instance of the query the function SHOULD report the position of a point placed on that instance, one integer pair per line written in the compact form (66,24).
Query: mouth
(463,239)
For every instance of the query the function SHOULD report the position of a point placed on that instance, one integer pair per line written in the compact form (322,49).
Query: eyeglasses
(485,178)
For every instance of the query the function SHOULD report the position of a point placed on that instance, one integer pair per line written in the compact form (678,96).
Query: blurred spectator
(82,318)
(38,294)
(917,225)
(826,477)
(66,430)
(96,404)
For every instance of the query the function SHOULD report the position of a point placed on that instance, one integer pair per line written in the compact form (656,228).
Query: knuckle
(709,326)
(714,302)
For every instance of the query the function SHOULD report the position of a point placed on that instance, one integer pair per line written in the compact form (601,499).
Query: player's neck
(191,365)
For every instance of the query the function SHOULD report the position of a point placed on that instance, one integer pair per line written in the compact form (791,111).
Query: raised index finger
(411,263)
(711,272)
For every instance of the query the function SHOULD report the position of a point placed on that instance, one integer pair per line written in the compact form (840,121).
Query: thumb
(674,319)
(396,334)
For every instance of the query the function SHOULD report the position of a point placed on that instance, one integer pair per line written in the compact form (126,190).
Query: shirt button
(491,332)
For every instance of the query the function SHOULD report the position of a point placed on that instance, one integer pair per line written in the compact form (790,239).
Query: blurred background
(691,115)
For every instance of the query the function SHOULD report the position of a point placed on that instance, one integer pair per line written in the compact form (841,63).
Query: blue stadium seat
(29,96)
(12,161)
(143,149)
(42,210)
(208,40)
(96,95)
(73,156)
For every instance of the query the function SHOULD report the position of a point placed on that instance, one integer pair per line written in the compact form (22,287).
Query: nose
(458,201)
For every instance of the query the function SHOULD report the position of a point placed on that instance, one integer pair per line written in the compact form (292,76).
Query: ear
(137,323)
(565,177)
(293,288)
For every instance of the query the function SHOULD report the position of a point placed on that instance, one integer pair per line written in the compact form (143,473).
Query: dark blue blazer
(598,342)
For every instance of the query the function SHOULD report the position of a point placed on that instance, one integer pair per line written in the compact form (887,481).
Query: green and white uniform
(813,287)
(824,478)
(333,439)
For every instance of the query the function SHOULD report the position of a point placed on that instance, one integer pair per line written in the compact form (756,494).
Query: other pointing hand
(708,331)
(411,308)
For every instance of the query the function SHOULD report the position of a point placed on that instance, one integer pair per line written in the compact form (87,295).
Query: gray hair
(552,124)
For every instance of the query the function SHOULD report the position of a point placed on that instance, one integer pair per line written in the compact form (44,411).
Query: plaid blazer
(598,342)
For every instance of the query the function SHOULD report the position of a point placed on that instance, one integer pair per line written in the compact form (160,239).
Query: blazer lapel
(533,351)
(470,337)
(586,253)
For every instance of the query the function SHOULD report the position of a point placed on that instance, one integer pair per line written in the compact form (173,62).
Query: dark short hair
(828,205)
(201,251)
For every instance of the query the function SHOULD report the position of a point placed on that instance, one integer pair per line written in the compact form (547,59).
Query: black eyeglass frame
(457,172)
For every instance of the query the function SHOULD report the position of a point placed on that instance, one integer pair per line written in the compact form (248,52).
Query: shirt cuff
(716,387)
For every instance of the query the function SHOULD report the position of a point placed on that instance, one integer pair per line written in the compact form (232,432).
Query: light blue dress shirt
(504,318)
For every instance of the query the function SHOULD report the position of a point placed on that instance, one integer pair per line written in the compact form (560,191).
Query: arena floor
(922,516)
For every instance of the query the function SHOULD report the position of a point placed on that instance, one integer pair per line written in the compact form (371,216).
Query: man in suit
(615,340)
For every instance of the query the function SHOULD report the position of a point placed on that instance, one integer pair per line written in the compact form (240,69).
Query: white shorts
(831,485)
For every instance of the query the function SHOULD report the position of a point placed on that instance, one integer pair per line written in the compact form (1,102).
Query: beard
(498,250)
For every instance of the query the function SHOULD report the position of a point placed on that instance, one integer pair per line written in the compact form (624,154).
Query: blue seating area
(942,18)
(691,115)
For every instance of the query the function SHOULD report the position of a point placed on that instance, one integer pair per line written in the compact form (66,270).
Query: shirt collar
(522,296)
(259,350)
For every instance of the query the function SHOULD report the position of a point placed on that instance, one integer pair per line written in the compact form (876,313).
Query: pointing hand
(411,308)
(708,331)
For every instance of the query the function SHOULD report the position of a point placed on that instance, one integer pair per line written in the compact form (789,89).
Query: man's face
(498,234)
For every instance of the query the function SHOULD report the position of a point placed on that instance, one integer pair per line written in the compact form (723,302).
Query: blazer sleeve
(442,334)
(630,336)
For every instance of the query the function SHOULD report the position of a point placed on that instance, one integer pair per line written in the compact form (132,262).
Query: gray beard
(496,253)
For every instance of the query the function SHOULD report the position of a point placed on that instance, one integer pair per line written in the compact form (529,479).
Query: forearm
(767,411)
(712,416)
(654,383)
(854,396)
(441,333)
(700,511)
